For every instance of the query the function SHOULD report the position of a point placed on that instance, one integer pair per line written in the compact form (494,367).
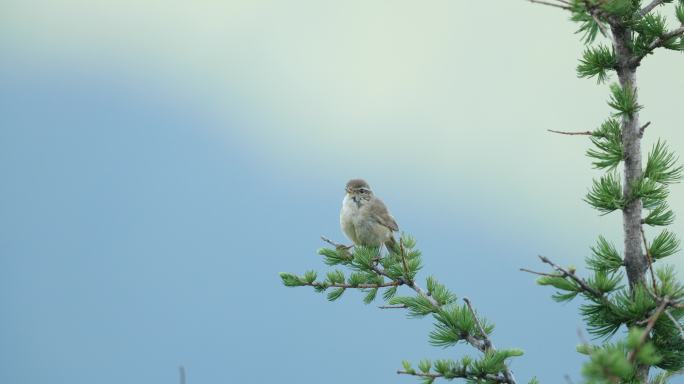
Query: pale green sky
(458,93)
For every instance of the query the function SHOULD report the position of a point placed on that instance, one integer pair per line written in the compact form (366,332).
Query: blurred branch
(561,4)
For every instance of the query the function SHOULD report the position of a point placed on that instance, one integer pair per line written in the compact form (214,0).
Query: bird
(365,219)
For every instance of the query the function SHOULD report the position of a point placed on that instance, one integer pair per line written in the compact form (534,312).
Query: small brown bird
(364,218)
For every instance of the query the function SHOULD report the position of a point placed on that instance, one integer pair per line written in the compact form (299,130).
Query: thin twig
(601,27)
(650,7)
(419,374)
(403,257)
(489,378)
(392,283)
(487,341)
(657,43)
(586,133)
(393,306)
(650,260)
(643,128)
(550,4)
(336,245)
(582,283)
(540,273)
(651,322)
(181,374)
(676,323)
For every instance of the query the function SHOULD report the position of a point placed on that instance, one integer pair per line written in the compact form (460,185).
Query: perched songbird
(364,218)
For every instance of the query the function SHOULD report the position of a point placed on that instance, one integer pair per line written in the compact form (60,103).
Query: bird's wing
(379,212)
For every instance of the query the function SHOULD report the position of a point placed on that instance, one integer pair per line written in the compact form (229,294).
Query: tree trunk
(636,262)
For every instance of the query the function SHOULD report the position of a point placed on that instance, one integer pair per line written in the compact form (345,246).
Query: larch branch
(643,129)
(454,375)
(676,323)
(657,43)
(651,322)
(650,260)
(585,133)
(563,5)
(581,282)
(650,7)
(349,286)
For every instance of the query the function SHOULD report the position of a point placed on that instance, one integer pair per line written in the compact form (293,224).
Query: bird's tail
(392,245)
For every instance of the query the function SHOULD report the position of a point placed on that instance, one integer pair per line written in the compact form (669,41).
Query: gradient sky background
(162,161)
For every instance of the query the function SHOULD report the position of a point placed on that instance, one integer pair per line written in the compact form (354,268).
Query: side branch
(487,342)
(651,322)
(650,7)
(650,260)
(360,286)
(581,282)
(585,133)
(563,5)
(643,129)
(455,375)
(480,342)
(657,43)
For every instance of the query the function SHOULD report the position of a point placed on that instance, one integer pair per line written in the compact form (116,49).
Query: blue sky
(161,163)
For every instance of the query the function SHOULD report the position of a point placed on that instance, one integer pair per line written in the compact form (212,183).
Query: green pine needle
(608,142)
(417,306)
(389,293)
(606,194)
(651,193)
(370,296)
(620,8)
(597,61)
(335,294)
(660,215)
(589,28)
(604,257)
(662,165)
(664,245)
(623,100)
(290,280)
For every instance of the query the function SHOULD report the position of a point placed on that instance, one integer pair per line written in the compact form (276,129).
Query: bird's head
(358,189)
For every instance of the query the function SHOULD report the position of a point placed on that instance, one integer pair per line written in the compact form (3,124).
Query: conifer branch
(649,326)
(540,273)
(481,343)
(585,133)
(650,7)
(643,129)
(485,338)
(349,286)
(676,323)
(423,374)
(650,260)
(671,304)
(657,43)
(571,274)
(487,341)
(470,339)
(402,252)
(457,375)
(602,28)
(563,4)
(336,245)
